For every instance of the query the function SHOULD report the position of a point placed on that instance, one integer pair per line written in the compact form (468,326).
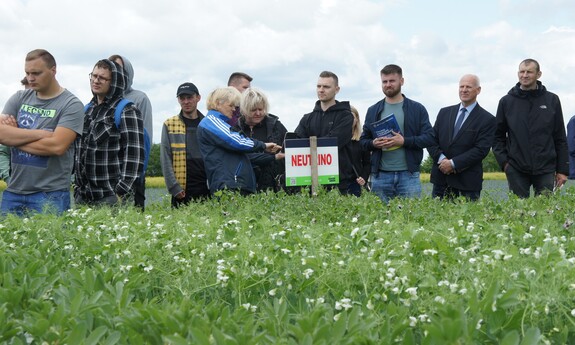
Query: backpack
(118,118)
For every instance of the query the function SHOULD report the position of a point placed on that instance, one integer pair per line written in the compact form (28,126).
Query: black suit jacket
(467,149)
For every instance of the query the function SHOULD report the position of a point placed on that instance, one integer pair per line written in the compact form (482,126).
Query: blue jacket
(417,133)
(226,154)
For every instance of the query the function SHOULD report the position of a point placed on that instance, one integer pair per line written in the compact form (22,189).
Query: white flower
(272,292)
(439,299)
(412,321)
(344,303)
(147,269)
(369,305)
(429,252)
(286,251)
(336,317)
(573,312)
(354,220)
(354,232)
(307,273)
(412,291)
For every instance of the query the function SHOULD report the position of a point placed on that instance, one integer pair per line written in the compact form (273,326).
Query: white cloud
(285,44)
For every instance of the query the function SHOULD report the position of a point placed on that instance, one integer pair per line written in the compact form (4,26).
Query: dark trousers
(520,183)
(450,193)
(139,188)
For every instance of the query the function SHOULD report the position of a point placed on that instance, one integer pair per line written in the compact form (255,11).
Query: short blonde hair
(222,95)
(356,130)
(251,99)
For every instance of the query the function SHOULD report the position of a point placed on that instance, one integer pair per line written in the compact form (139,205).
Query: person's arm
(424,136)
(14,136)
(166,160)
(480,149)
(342,129)
(132,145)
(55,145)
(366,139)
(435,150)
(500,139)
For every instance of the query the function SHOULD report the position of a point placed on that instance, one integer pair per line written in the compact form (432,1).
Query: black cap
(187,89)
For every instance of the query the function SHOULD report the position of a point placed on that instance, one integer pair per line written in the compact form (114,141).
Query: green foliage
(154,164)
(292,269)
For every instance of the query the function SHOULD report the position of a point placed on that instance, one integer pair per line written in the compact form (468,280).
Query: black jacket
(530,132)
(467,149)
(270,130)
(336,121)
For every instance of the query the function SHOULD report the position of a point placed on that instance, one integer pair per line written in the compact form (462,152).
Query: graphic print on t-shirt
(30,117)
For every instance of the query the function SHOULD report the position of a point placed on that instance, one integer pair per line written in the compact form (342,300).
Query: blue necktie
(459,121)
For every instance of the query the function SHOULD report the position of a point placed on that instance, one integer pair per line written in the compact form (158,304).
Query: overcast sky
(284,45)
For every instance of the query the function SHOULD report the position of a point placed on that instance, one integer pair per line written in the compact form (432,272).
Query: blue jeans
(391,184)
(22,204)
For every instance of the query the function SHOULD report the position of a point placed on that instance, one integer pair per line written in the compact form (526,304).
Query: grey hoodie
(139,98)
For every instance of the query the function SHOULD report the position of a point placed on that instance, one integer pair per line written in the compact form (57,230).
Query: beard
(392,92)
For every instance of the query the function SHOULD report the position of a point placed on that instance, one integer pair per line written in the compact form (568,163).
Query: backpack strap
(119,109)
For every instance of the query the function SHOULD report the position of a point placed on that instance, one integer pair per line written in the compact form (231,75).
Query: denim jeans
(392,184)
(520,183)
(22,204)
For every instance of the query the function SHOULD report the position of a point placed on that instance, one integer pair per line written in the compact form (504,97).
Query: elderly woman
(257,123)
(228,154)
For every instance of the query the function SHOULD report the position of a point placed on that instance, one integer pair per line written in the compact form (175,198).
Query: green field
(277,269)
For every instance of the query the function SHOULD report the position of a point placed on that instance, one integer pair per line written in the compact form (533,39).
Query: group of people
(237,144)
(53,136)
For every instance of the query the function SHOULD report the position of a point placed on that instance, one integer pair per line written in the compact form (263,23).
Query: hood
(128,73)
(517,92)
(338,106)
(117,83)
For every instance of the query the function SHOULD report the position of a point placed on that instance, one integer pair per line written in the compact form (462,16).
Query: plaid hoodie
(109,159)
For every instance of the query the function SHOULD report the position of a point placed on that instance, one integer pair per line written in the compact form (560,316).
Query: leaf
(95,336)
(78,334)
(511,338)
(532,336)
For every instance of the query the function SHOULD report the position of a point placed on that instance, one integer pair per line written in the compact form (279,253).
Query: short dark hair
(42,54)
(391,69)
(530,61)
(24,81)
(236,76)
(328,74)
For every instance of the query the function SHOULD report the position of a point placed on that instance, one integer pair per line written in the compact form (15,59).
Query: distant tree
(154,165)
(426,165)
(490,163)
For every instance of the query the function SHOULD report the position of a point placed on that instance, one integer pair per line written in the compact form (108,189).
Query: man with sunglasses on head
(40,124)
(109,158)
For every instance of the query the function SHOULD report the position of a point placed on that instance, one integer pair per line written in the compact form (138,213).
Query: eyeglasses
(99,78)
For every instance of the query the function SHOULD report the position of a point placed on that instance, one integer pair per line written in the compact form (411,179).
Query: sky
(284,45)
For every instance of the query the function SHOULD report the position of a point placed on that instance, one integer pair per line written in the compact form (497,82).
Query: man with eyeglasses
(144,105)
(182,162)
(109,158)
(40,124)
